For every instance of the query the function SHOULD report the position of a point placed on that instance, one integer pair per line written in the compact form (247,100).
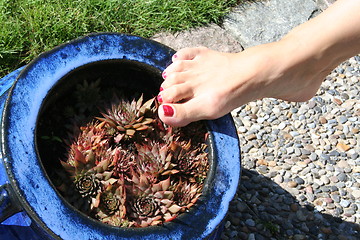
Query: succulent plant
(150,204)
(86,149)
(109,207)
(129,169)
(155,159)
(86,163)
(87,94)
(128,118)
(186,193)
(189,160)
(122,161)
(87,185)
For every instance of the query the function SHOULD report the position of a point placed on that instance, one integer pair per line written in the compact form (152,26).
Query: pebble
(336,198)
(250,223)
(282,125)
(299,180)
(342,177)
(343,147)
(342,164)
(292,184)
(235,221)
(251,236)
(278,179)
(345,203)
(343,119)
(325,179)
(313,156)
(356,194)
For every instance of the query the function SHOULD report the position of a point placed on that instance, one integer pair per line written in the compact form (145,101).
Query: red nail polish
(161,89)
(175,56)
(168,111)
(159,98)
(163,75)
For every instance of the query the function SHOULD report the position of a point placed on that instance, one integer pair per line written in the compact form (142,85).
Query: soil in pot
(107,153)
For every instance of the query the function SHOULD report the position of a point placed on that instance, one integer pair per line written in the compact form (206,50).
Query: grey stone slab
(211,36)
(260,22)
(324,4)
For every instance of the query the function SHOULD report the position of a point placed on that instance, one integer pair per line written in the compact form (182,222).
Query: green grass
(29,27)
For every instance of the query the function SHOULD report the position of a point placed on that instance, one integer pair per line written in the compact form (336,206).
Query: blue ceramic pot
(24,182)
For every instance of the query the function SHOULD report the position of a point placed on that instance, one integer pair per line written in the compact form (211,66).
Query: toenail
(175,56)
(161,89)
(159,98)
(168,110)
(164,75)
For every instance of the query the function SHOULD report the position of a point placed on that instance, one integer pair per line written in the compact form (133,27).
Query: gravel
(300,164)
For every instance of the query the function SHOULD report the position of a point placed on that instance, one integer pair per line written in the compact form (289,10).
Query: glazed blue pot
(25,185)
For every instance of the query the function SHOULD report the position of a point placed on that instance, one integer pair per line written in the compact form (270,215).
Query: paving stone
(267,21)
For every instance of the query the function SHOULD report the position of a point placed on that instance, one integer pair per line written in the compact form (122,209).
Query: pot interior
(67,100)
(79,94)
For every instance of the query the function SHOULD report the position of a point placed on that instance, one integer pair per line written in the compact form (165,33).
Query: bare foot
(199,84)
(206,84)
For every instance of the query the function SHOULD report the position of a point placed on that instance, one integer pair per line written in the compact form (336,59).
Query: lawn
(29,27)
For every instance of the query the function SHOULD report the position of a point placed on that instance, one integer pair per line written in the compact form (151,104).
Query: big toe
(173,115)
(181,114)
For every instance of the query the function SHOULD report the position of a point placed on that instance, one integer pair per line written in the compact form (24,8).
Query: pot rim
(24,168)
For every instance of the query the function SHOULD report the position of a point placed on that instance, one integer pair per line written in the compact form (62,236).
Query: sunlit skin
(206,84)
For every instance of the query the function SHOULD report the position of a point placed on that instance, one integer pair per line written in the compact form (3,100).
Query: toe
(176,93)
(178,66)
(181,114)
(174,115)
(174,78)
(187,53)
(175,67)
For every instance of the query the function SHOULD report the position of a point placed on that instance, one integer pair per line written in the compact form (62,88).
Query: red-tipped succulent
(128,169)
(128,118)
